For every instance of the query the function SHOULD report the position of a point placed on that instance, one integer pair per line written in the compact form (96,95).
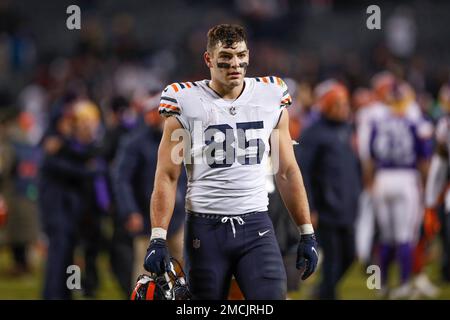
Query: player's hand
(307,255)
(157,259)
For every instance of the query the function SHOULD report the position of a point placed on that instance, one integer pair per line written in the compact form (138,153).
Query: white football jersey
(226,164)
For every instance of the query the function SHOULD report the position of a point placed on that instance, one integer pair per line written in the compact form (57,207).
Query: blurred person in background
(381,85)
(134,174)
(399,148)
(367,114)
(441,106)
(370,107)
(308,111)
(435,208)
(22,226)
(362,99)
(65,186)
(328,160)
(437,192)
(6,164)
(24,133)
(121,119)
(86,146)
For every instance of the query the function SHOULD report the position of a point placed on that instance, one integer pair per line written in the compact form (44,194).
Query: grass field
(29,287)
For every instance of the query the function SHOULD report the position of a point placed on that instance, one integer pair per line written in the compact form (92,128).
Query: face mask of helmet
(168,286)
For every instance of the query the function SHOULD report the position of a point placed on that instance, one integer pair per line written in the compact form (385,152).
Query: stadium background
(127,46)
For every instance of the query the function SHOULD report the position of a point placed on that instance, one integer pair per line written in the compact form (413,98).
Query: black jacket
(134,175)
(331,171)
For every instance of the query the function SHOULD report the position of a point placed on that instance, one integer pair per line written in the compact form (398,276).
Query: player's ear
(207,58)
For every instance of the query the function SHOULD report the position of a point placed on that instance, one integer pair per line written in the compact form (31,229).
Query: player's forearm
(163,201)
(292,190)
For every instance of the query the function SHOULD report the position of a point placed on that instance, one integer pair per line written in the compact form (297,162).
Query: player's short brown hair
(227,34)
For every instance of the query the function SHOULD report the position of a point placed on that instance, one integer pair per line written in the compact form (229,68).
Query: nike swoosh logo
(151,252)
(314,249)
(263,233)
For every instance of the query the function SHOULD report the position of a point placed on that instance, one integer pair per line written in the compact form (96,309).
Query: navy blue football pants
(218,247)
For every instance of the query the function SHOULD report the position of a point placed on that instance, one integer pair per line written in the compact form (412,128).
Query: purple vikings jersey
(399,142)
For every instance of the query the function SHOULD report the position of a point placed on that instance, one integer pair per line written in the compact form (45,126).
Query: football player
(371,107)
(370,110)
(437,178)
(437,191)
(400,148)
(436,197)
(230,124)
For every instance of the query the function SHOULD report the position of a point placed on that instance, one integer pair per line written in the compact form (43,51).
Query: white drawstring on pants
(239,220)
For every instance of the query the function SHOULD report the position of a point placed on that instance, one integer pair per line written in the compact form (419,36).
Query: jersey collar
(243,97)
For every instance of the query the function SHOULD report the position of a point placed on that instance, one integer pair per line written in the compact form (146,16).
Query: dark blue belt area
(220,216)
